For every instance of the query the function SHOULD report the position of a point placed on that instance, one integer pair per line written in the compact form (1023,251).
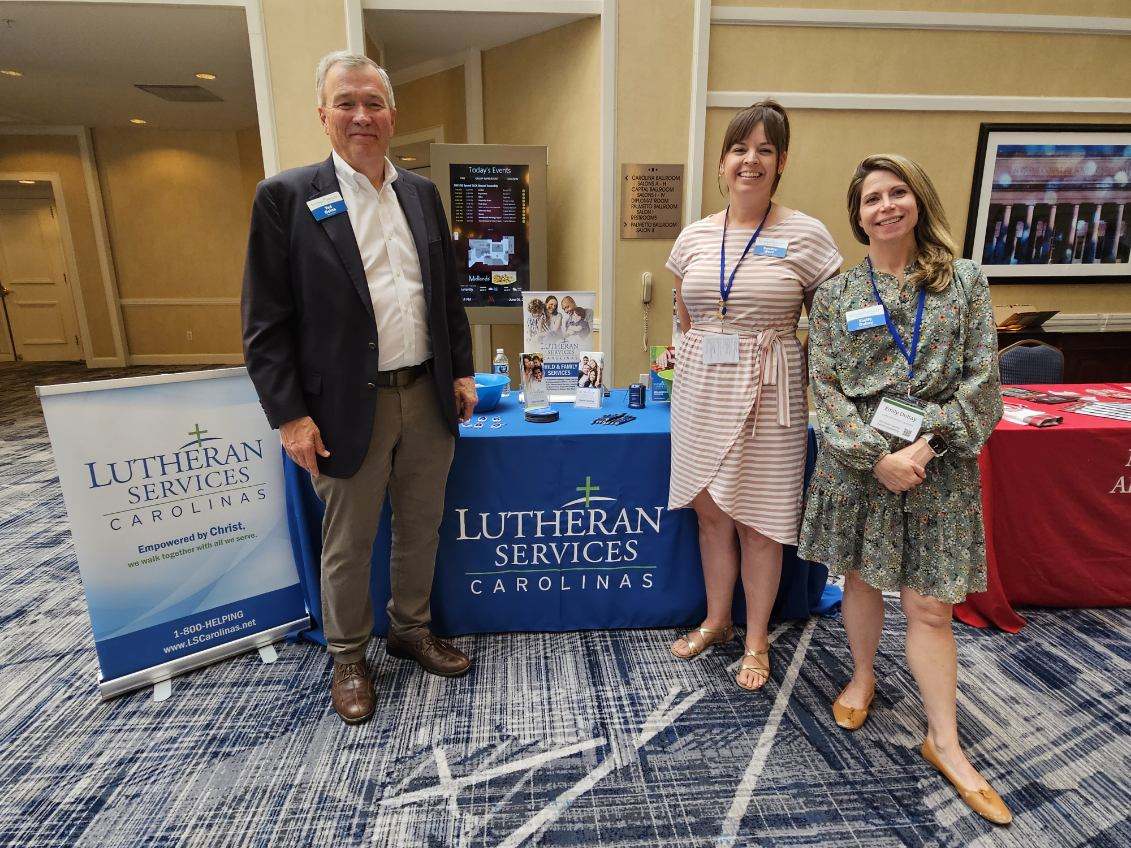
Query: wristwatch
(937,444)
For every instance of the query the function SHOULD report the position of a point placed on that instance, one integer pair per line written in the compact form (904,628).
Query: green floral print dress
(929,539)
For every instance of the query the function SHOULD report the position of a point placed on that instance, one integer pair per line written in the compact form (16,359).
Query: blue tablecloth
(551,527)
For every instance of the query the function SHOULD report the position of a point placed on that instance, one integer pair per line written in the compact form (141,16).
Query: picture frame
(1051,203)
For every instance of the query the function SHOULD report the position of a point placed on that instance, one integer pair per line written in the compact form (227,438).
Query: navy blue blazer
(309,335)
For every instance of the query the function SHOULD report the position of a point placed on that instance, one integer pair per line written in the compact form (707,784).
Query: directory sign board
(490,212)
(495,199)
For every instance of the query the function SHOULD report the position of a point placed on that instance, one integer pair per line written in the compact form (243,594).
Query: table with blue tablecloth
(552,527)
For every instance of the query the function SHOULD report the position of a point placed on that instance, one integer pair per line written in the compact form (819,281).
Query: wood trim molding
(187,359)
(887,19)
(922,102)
(700,53)
(541,7)
(180,301)
(610,181)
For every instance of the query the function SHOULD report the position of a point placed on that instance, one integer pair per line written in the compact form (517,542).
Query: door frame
(69,262)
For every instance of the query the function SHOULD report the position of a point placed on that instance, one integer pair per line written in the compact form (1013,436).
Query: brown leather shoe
(351,691)
(431,653)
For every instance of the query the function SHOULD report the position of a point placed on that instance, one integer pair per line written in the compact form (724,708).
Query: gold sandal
(763,671)
(709,636)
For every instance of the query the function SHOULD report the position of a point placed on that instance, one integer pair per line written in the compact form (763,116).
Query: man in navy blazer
(359,348)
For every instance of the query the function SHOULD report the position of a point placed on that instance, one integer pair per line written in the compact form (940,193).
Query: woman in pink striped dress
(739,413)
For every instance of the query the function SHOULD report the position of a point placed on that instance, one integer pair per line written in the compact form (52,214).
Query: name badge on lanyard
(899,416)
(326,206)
(720,349)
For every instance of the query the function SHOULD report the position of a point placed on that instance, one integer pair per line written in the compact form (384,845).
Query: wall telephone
(645,299)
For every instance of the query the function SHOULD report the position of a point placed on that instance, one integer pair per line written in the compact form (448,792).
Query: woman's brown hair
(933,267)
(771,115)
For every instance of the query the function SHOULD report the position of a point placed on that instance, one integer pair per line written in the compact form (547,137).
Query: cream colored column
(653,107)
(299,33)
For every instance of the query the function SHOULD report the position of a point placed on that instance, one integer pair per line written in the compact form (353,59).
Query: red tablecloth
(1057,505)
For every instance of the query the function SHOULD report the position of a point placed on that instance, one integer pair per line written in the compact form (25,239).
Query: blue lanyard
(908,355)
(726,285)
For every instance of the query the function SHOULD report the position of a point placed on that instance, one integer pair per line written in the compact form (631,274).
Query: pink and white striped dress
(738,430)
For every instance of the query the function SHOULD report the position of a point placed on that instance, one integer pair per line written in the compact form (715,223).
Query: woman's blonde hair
(933,267)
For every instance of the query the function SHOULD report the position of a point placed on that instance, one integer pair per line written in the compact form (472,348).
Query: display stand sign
(559,324)
(174,489)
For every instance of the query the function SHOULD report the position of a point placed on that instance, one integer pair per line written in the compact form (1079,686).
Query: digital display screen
(490,231)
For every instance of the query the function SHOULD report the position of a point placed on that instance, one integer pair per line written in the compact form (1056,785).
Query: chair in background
(1031,361)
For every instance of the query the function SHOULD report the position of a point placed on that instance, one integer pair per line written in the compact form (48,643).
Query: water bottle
(502,365)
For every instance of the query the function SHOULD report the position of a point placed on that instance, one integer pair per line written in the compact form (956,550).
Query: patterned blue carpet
(587,739)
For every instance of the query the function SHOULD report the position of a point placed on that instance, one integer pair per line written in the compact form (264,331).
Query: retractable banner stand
(174,489)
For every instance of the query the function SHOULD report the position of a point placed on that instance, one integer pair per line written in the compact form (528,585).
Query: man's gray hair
(350,60)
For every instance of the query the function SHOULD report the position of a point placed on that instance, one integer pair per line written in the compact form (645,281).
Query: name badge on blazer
(862,319)
(326,206)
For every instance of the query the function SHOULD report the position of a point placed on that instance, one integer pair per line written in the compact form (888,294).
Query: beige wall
(653,108)
(546,90)
(299,33)
(434,101)
(827,144)
(177,208)
(60,154)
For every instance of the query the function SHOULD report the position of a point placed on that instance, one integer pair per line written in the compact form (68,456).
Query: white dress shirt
(392,266)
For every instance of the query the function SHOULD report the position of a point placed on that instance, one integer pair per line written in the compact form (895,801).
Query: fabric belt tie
(401,377)
(773,367)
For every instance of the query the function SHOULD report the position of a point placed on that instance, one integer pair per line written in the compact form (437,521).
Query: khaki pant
(409,455)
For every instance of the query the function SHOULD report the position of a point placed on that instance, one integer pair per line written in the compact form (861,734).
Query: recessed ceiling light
(11,72)
(204,75)
(26,182)
(407,158)
(138,121)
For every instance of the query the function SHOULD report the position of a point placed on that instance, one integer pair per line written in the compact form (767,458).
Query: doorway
(38,322)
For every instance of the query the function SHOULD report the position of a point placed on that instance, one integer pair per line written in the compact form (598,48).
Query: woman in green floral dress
(904,343)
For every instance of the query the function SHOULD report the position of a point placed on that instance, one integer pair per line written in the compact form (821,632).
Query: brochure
(590,379)
(661,371)
(559,324)
(1032,417)
(534,394)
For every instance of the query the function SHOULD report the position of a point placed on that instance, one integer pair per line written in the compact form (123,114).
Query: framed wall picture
(1051,203)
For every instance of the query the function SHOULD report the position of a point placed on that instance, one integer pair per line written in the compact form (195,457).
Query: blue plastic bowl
(489,387)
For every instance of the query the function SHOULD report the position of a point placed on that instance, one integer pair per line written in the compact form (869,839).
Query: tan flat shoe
(760,669)
(851,718)
(701,638)
(985,802)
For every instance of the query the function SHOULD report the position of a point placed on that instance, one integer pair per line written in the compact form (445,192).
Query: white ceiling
(412,38)
(81,62)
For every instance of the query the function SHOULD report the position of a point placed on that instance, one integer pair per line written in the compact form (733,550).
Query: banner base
(147,677)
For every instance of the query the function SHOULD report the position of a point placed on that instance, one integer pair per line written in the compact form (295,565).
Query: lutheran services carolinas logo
(587,543)
(201,476)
